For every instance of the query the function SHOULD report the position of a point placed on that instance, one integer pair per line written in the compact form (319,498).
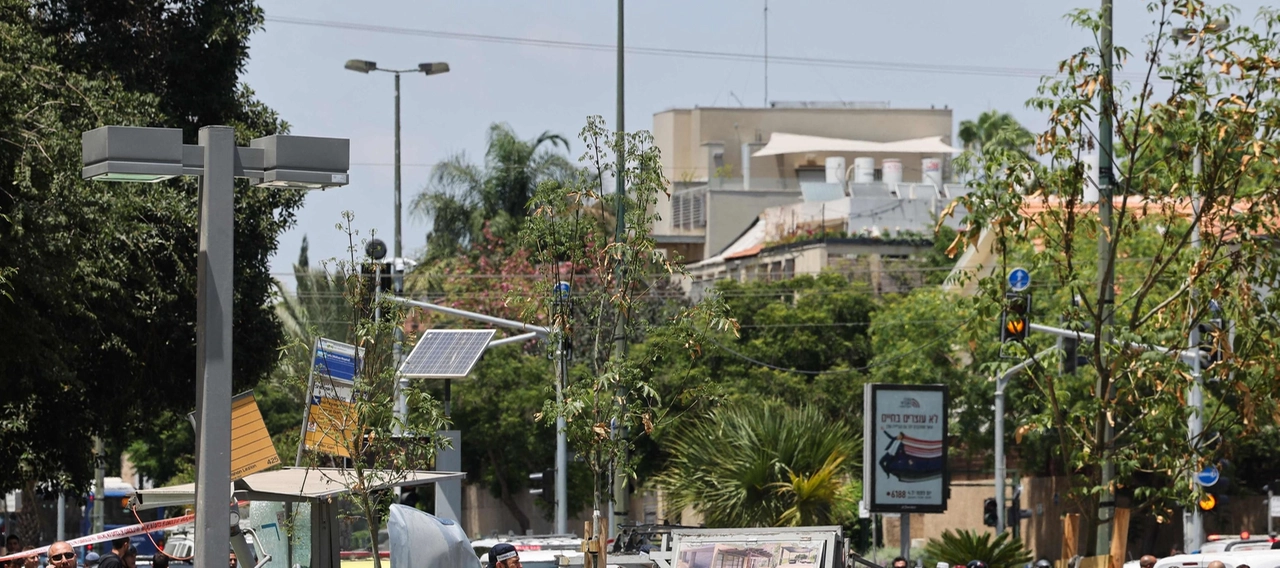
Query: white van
(1233,559)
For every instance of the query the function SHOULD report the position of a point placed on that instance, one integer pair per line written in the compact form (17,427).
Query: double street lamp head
(363,66)
(139,154)
(1212,28)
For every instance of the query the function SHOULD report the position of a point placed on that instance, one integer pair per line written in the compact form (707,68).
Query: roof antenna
(735,97)
(766,53)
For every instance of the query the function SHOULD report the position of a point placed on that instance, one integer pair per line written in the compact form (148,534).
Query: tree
(103,277)
(367,430)
(1186,245)
(610,402)
(465,199)
(761,463)
(995,130)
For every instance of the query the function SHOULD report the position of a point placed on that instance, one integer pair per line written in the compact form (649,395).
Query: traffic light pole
(1001,382)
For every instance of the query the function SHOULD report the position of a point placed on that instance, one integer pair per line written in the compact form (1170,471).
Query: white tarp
(783,143)
(422,540)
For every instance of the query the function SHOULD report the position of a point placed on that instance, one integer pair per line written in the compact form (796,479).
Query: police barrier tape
(112,534)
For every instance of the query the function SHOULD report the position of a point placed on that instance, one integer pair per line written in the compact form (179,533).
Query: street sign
(1275,506)
(1019,279)
(1207,476)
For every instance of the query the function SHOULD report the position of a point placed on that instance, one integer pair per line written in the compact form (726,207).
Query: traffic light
(989,514)
(543,484)
(1015,319)
(1211,339)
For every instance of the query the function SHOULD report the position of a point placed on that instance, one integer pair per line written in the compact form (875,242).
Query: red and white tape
(112,534)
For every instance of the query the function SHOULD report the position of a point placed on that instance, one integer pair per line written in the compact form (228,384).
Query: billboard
(905,448)
(251,447)
(330,419)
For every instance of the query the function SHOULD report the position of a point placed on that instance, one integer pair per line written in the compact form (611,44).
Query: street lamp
(124,153)
(397,276)
(363,66)
(1193,529)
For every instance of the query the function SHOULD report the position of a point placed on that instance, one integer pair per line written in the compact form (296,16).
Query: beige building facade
(719,188)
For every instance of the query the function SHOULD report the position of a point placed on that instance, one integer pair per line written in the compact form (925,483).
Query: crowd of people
(62,555)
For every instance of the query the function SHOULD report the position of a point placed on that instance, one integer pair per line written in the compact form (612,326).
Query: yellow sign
(251,447)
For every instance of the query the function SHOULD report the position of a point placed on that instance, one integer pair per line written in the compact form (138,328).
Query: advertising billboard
(905,448)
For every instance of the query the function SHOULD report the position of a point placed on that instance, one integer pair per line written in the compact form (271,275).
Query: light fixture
(433,68)
(361,66)
(148,155)
(125,153)
(1214,27)
(305,162)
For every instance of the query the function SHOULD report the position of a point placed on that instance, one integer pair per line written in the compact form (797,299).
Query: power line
(894,66)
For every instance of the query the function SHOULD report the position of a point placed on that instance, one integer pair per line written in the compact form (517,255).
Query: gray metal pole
(62,516)
(904,536)
(562,442)
(99,485)
(397,168)
(620,504)
(1270,495)
(214,273)
(1193,531)
(1106,293)
(1000,471)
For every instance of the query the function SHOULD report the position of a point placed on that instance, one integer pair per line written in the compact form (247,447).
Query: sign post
(905,451)
(330,398)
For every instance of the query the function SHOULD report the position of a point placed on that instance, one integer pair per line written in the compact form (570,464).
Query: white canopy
(783,143)
(291,484)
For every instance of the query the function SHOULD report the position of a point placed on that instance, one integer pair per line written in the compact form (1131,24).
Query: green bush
(960,547)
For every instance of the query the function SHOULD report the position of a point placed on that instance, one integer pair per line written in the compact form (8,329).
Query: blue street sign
(1207,476)
(562,290)
(1019,279)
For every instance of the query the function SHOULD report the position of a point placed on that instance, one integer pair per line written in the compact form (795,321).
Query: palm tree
(760,463)
(464,197)
(995,130)
(316,308)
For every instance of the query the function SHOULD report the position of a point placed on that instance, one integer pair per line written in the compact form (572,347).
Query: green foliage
(995,131)
(960,547)
(367,431)
(464,199)
(102,276)
(1180,237)
(761,463)
(610,400)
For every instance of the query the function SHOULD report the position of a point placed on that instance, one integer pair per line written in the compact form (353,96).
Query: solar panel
(446,353)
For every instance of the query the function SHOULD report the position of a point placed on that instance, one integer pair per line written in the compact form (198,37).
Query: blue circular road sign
(1019,279)
(1207,476)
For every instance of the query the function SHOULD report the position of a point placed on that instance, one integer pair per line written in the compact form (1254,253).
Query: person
(12,544)
(503,555)
(91,559)
(115,558)
(1147,561)
(130,558)
(32,561)
(61,555)
(233,559)
(160,560)
(898,562)
(1217,564)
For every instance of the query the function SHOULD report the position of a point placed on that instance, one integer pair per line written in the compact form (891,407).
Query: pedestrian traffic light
(543,484)
(1015,319)
(989,514)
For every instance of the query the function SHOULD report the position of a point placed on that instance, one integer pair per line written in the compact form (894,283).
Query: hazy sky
(923,51)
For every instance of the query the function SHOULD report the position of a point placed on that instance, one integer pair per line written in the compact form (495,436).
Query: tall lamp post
(397,276)
(1193,526)
(133,154)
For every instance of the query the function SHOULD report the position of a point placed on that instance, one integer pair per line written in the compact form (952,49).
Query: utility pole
(99,484)
(1103,431)
(620,504)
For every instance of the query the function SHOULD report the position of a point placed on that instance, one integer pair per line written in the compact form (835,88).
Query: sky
(919,53)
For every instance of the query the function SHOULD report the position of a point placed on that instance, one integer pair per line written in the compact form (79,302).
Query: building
(728,165)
